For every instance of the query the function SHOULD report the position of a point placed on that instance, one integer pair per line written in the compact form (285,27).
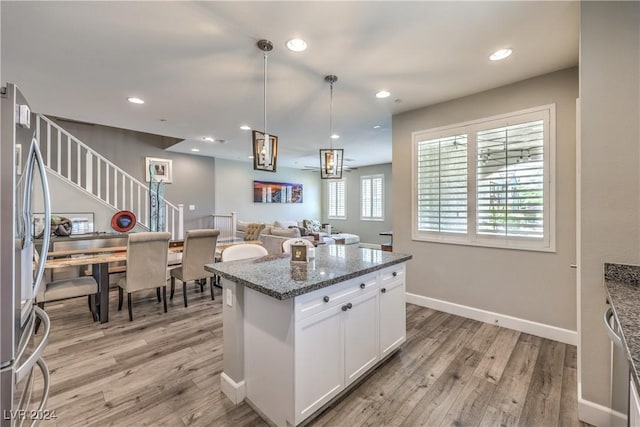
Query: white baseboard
(236,392)
(598,415)
(527,326)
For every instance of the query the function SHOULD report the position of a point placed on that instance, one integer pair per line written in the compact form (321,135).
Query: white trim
(372,178)
(236,392)
(545,243)
(527,326)
(598,415)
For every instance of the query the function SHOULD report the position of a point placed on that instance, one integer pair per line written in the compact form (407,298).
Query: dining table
(100,259)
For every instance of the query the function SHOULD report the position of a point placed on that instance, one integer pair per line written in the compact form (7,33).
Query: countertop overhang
(278,277)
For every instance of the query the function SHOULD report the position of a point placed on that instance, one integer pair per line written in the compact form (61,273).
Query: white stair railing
(77,163)
(226,223)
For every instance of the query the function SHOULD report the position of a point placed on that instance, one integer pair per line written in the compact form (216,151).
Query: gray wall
(367,230)
(193,176)
(234,193)
(610,165)
(535,286)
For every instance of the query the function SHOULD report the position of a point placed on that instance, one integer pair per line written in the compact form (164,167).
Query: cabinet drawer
(325,298)
(395,273)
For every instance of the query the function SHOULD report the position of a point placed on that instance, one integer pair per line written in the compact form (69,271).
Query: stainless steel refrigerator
(21,167)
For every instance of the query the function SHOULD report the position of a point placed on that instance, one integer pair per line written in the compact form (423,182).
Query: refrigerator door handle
(28,364)
(45,390)
(35,156)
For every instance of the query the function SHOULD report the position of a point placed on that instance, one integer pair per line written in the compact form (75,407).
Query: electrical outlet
(192,207)
(229,297)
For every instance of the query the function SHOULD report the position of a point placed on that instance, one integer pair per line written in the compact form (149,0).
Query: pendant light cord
(331,118)
(265,93)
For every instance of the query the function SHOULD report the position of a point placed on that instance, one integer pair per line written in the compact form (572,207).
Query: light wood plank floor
(163,370)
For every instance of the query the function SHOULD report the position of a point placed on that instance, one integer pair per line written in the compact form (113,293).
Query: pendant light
(265,145)
(330,158)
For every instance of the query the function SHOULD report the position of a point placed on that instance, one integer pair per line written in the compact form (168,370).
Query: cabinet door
(360,335)
(393,316)
(319,360)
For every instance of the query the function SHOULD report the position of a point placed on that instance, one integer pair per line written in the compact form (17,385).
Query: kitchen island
(298,335)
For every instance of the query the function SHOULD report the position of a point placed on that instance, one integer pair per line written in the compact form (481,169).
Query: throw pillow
(285,232)
(312,225)
(253,231)
(285,224)
(241,225)
(303,231)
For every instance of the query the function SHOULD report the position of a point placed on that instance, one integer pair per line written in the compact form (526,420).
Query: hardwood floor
(163,370)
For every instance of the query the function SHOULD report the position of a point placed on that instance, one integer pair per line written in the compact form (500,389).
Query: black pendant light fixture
(265,145)
(331,158)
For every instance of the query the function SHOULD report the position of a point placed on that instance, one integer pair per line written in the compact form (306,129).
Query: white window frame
(547,243)
(344,201)
(372,178)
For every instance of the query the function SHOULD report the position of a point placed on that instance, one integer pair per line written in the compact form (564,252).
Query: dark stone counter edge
(305,289)
(623,275)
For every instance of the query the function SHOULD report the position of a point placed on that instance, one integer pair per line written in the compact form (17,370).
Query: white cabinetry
(393,319)
(319,361)
(301,353)
(360,335)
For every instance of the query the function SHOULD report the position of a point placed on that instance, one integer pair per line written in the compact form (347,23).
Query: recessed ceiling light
(296,45)
(383,94)
(335,136)
(195,150)
(208,138)
(134,100)
(245,127)
(377,127)
(500,54)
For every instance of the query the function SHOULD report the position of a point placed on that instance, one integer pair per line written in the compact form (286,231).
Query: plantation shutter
(371,197)
(337,199)
(442,184)
(510,181)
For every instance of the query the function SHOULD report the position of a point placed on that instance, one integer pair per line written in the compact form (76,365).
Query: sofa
(273,235)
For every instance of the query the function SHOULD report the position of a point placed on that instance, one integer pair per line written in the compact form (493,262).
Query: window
(372,197)
(337,200)
(488,183)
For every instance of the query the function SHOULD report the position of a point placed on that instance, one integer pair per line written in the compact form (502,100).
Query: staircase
(75,162)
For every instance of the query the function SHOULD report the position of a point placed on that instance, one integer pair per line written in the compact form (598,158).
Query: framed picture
(276,192)
(265,151)
(18,159)
(299,252)
(161,169)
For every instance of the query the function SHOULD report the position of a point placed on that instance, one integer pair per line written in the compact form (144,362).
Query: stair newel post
(180,221)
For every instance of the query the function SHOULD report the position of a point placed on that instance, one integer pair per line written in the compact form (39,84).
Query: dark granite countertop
(623,290)
(276,276)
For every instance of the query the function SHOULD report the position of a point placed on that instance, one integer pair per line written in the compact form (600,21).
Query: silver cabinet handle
(615,338)
(573,266)
(28,364)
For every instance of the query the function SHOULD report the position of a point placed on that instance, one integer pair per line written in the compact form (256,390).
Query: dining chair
(71,287)
(242,251)
(146,266)
(199,250)
(286,245)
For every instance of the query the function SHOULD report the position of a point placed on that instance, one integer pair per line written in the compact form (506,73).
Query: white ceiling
(197,66)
